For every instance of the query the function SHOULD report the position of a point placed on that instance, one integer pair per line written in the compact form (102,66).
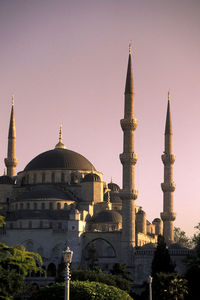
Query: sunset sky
(65,61)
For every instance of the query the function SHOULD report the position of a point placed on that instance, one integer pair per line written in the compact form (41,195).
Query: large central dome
(59,159)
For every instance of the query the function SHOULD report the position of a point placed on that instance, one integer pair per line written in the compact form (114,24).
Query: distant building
(60,200)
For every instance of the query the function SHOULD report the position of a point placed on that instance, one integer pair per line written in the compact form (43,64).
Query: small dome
(140,212)
(156,220)
(59,159)
(114,187)
(115,198)
(5,179)
(107,216)
(92,177)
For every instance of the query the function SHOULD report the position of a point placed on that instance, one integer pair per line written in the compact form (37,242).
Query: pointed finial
(111,180)
(60,134)
(60,144)
(130,47)
(12,100)
(168,95)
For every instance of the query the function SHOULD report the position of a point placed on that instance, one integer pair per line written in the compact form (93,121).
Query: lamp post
(150,287)
(67,256)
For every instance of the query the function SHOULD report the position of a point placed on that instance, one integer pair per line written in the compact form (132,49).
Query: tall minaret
(11,160)
(128,159)
(168,187)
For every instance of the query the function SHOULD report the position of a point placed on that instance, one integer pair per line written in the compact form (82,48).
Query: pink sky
(65,62)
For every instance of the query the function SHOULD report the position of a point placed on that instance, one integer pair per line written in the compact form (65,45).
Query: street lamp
(67,256)
(150,287)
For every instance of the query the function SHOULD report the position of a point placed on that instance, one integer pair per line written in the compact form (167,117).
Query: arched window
(50,205)
(34,178)
(53,177)
(43,205)
(65,206)
(21,205)
(35,205)
(51,270)
(58,205)
(28,205)
(43,177)
(62,177)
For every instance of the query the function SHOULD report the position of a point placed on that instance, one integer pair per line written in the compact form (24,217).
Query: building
(60,200)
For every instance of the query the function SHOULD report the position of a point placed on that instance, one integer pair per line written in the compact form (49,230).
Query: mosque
(60,200)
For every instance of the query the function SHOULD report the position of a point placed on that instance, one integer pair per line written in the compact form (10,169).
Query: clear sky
(66,61)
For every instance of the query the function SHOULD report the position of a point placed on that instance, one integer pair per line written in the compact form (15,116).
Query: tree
(99,276)
(15,264)
(181,238)
(169,286)
(2,219)
(81,290)
(196,236)
(193,267)
(161,261)
(121,270)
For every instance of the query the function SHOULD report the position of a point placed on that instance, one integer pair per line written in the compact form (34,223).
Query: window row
(43,205)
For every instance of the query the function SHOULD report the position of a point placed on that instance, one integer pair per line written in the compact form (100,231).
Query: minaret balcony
(168,187)
(128,125)
(168,216)
(128,158)
(128,195)
(168,159)
(11,162)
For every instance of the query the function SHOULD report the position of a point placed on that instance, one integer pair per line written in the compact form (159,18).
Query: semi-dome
(43,192)
(157,220)
(113,187)
(108,216)
(59,158)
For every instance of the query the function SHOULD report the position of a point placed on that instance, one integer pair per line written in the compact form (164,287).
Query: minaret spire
(11,160)
(168,186)
(128,159)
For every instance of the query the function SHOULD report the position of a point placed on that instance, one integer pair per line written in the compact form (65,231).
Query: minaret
(168,186)
(128,159)
(11,160)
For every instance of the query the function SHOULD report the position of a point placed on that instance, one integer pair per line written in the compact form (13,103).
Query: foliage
(196,236)
(2,220)
(193,268)
(15,264)
(169,286)
(121,270)
(81,290)
(99,276)
(161,261)
(181,238)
